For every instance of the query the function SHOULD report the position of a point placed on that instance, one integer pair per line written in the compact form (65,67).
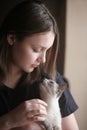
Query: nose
(42,58)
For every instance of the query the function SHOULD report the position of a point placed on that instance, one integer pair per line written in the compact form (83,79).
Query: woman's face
(31,52)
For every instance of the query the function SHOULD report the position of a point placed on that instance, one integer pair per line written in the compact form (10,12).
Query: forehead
(44,39)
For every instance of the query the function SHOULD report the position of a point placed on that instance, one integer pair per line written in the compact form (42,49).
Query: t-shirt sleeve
(66,102)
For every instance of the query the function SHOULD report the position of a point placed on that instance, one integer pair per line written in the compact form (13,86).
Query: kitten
(50,92)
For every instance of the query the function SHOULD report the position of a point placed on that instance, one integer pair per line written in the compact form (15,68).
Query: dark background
(58,9)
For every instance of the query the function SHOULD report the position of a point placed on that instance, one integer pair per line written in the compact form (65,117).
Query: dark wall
(5,6)
(58,9)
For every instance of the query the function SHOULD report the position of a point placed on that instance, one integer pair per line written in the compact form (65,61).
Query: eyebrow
(41,46)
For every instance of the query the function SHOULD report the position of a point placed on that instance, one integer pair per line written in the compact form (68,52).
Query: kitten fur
(50,92)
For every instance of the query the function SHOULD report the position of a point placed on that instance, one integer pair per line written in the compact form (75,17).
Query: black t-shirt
(10,98)
(66,102)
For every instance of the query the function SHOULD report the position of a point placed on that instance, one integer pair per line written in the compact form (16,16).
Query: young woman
(28,51)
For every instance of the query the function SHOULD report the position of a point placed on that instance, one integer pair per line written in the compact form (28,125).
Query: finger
(41,102)
(35,107)
(39,118)
(38,101)
(36,113)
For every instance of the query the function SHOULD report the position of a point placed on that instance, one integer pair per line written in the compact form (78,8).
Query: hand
(32,126)
(29,111)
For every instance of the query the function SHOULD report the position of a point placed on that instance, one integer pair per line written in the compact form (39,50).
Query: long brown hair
(26,19)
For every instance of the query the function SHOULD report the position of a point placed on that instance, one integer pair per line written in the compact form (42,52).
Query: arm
(5,123)
(69,123)
(22,114)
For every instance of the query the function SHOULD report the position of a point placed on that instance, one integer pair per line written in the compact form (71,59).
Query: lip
(35,66)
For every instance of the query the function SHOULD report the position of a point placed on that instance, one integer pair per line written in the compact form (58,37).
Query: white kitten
(50,92)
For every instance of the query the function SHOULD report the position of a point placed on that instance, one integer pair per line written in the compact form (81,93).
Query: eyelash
(37,50)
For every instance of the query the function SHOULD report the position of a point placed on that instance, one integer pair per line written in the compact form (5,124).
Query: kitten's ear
(62,87)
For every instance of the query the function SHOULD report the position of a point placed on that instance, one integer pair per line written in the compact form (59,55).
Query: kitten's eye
(51,83)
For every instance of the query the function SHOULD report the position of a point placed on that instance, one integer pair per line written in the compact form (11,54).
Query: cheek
(22,55)
(29,56)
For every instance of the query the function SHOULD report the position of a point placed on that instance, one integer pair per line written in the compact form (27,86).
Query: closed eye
(37,49)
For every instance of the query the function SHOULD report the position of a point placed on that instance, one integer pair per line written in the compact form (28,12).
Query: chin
(30,70)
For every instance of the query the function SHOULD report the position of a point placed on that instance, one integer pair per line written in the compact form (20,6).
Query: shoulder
(66,102)
(59,78)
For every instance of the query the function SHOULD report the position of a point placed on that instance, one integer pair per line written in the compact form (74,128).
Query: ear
(62,87)
(11,39)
